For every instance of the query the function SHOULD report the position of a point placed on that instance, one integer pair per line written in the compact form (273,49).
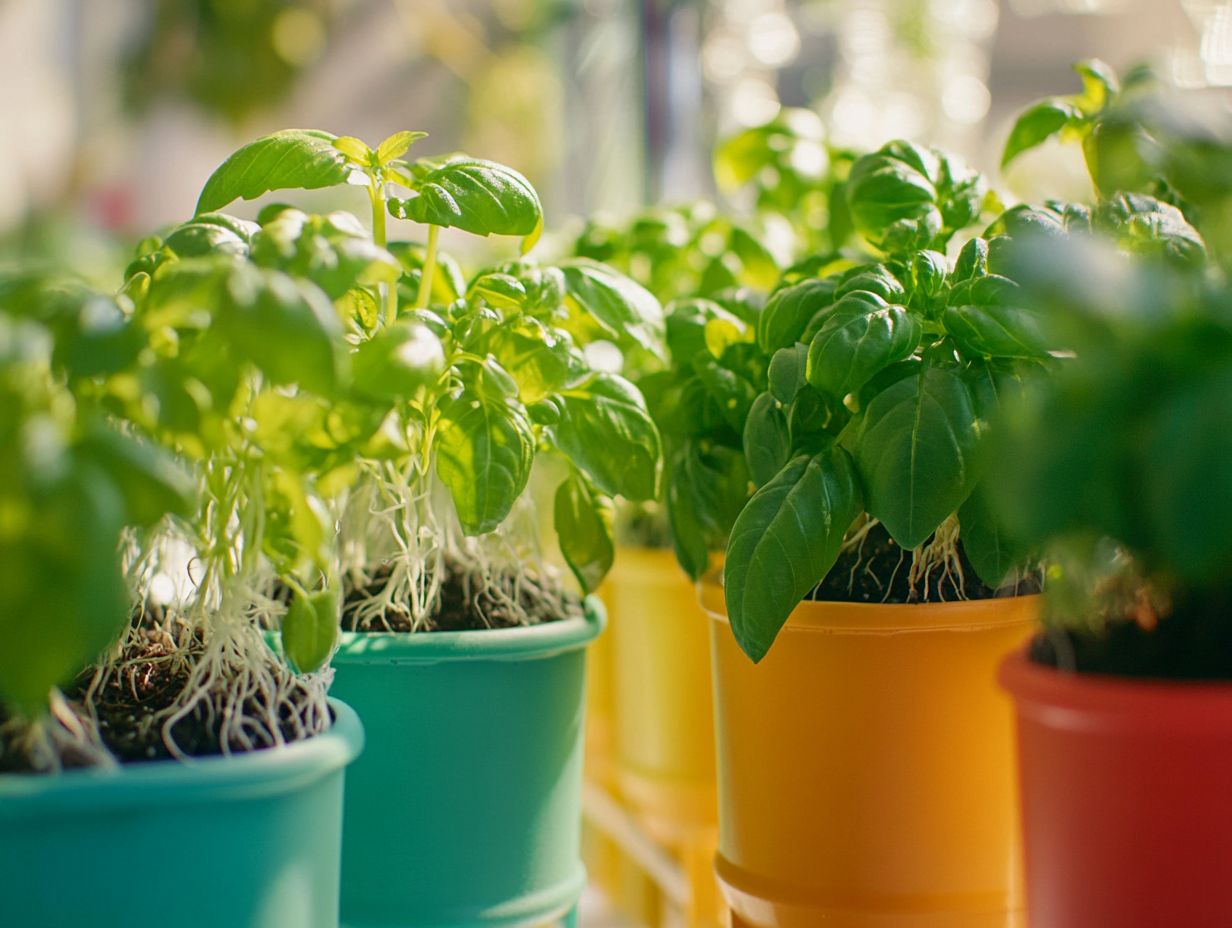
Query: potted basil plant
(1120,467)
(462,648)
(866,592)
(218,740)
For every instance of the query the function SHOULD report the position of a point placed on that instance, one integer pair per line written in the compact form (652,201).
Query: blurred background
(113,112)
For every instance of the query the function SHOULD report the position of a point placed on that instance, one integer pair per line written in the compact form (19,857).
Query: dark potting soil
(468,601)
(152,672)
(877,572)
(1190,643)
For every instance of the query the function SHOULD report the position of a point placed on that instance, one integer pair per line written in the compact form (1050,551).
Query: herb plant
(881,379)
(474,378)
(72,483)
(1119,464)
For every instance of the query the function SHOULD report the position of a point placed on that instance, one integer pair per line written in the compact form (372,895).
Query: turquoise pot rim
(524,643)
(267,772)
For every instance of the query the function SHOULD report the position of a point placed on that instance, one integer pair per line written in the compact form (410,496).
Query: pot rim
(171,783)
(529,642)
(1071,699)
(832,616)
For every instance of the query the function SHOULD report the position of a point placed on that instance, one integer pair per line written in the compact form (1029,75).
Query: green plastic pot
(246,841)
(466,806)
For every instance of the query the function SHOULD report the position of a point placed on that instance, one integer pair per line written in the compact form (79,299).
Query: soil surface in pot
(1186,645)
(129,703)
(877,571)
(469,600)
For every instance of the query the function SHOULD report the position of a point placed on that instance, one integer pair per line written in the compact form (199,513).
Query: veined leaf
(607,432)
(854,344)
(785,542)
(294,158)
(618,307)
(914,449)
(767,441)
(476,196)
(485,447)
(583,521)
(788,312)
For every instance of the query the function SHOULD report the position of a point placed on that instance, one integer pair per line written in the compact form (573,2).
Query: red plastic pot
(1126,798)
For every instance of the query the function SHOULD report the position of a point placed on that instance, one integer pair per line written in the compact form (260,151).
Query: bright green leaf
(294,158)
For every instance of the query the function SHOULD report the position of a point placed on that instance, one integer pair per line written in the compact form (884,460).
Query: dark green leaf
(914,449)
(620,309)
(785,542)
(788,312)
(854,344)
(992,550)
(787,372)
(285,326)
(536,357)
(151,483)
(767,443)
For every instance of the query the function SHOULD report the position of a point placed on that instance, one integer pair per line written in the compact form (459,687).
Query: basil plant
(1118,465)
(75,484)
(883,372)
(469,381)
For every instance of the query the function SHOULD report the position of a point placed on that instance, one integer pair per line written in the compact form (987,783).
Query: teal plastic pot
(466,806)
(246,841)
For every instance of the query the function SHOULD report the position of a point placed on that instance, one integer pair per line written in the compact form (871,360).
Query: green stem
(429,267)
(376,194)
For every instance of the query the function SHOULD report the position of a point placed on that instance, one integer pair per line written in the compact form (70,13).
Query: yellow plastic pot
(661,679)
(866,767)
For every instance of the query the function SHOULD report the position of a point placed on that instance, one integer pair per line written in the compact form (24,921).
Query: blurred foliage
(230,57)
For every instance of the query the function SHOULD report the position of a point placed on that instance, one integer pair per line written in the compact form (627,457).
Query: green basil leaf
(767,442)
(294,158)
(788,312)
(485,447)
(994,331)
(537,357)
(688,323)
(620,309)
(787,372)
(885,188)
(1037,124)
(914,448)
(149,481)
(972,260)
(64,571)
(310,629)
(990,548)
(266,310)
(194,239)
(1187,497)
(584,529)
(785,542)
(476,196)
(688,535)
(731,394)
(853,345)
(607,432)
(396,362)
